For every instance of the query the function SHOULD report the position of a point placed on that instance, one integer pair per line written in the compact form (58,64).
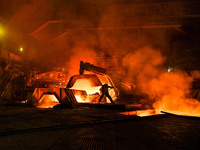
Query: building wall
(9,56)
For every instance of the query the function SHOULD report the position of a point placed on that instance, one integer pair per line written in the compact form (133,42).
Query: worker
(104,91)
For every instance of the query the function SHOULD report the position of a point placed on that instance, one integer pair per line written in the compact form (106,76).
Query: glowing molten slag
(174,91)
(142,113)
(180,106)
(79,98)
(148,112)
(47,101)
(85,85)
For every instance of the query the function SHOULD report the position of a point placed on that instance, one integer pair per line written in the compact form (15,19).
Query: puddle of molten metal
(142,113)
(182,113)
(47,101)
(179,106)
(147,112)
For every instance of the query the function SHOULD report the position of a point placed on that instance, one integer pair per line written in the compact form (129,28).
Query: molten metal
(84,84)
(47,101)
(142,113)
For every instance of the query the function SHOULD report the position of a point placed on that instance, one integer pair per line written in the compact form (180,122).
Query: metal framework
(165,14)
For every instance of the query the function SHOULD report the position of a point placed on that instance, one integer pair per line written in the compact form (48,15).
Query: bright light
(21,49)
(169,69)
(1,31)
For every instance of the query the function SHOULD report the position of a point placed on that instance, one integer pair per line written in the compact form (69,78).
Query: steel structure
(151,14)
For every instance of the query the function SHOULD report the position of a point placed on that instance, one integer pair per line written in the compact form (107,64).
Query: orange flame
(169,91)
(47,101)
(147,112)
(84,84)
(83,53)
(174,90)
(80,99)
(142,113)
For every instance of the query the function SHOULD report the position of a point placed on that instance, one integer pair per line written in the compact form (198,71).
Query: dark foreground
(24,128)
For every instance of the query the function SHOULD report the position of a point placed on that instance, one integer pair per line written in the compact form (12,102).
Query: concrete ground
(25,128)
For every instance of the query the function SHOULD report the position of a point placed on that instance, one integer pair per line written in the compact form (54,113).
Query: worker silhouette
(104,91)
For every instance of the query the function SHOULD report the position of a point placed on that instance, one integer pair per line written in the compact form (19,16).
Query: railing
(6,76)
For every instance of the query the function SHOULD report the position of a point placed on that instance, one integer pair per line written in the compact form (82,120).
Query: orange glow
(52,79)
(83,53)
(179,106)
(47,101)
(174,91)
(169,92)
(93,93)
(79,98)
(129,113)
(85,85)
(105,79)
(142,113)
(148,112)
(21,49)
(1,31)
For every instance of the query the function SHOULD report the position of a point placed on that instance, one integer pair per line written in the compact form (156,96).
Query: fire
(142,113)
(167,91)
(148,112)
(83,53)
(186,107)
(47,101)
(79,98)
(174,95)
(84,84)
(82,99)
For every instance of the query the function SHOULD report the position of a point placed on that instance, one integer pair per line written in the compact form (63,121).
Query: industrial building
(55,56)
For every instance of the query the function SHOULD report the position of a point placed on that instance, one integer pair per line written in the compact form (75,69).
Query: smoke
(92,28)
(26,21)
(81,53)
(143,65)
(166,91)
(196,74)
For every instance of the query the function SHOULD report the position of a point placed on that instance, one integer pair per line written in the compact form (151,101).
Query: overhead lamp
(21,49)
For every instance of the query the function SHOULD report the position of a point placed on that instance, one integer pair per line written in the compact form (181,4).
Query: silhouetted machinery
(82,88)
(89,67)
